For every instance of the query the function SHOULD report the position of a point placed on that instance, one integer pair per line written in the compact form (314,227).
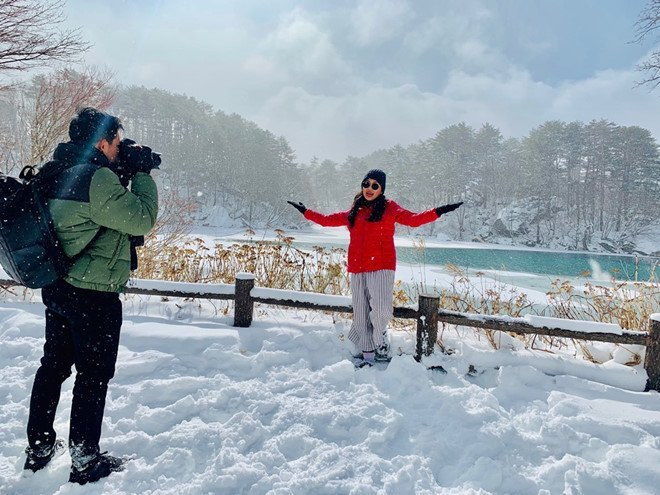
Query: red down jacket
(371,246)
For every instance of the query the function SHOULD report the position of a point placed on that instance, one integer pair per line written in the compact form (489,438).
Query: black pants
(82,328)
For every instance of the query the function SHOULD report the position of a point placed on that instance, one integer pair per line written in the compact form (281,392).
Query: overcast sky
(346,77)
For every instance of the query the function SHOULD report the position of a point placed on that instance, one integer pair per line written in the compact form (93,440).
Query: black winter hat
(377,175)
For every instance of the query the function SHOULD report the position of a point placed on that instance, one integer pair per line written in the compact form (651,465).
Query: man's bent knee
(55,370)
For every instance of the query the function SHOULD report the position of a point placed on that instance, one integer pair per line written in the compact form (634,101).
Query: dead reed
(168,255)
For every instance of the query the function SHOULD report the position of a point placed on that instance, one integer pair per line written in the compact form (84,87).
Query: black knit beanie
(377,175)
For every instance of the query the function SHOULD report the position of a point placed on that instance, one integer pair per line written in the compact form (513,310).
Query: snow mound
(279,408)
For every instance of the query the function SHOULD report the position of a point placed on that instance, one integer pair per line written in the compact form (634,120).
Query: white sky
(348,77)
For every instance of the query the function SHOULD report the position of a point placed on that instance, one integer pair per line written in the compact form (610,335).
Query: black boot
(99,467)
(383,353)
(37,459)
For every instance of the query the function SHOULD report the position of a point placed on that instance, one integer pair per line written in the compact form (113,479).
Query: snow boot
(38,459)
(99,467)
(383,353)
(367,360)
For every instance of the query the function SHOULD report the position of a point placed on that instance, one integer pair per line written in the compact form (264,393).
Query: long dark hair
(377,208)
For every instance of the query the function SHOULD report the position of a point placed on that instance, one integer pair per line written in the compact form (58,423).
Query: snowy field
(278,408)
(204,408)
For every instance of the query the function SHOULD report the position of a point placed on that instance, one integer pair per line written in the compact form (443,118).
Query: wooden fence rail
(427,313)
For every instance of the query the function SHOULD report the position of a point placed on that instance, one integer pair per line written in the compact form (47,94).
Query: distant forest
(569,185)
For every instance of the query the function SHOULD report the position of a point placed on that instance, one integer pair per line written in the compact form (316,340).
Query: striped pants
(372,294)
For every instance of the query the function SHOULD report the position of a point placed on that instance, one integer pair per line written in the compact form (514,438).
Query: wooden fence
(428,314)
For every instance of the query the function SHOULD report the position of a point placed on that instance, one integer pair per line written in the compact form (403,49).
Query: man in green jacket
(95,214)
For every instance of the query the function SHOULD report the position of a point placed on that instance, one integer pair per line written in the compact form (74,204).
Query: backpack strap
(27,173)
(40,178)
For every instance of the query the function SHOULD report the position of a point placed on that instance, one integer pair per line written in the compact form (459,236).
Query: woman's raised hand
(298,206)
(441,210)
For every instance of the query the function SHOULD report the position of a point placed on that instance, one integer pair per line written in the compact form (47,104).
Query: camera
(137,157)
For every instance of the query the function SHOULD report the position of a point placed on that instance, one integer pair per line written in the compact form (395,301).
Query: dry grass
(628,304)
(278,264)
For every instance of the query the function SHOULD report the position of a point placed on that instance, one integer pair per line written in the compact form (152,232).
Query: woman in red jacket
(372,258)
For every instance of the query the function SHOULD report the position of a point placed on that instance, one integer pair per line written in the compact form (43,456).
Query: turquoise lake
(549,263)
(566,264)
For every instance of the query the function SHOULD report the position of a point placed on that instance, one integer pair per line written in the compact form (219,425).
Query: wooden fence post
(243,304)
(427,325)
(652,358)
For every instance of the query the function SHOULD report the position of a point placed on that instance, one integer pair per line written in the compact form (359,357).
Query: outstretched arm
(333,220)
(410,219)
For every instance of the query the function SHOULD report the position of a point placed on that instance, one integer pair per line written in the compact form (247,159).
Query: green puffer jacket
(88,199)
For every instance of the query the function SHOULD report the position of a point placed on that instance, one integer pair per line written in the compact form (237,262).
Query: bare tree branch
(29,35)
(56,98)
(651,66)
(13,136)
(648,22)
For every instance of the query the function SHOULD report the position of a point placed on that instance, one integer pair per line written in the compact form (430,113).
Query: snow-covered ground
(650,241)
(278,408)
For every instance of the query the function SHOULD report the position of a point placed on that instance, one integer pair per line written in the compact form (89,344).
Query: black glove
(298,206)
(134,157)
(441,210)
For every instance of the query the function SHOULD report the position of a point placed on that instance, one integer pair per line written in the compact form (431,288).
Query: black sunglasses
(374,185)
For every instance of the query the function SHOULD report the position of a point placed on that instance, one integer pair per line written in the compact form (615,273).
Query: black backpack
(30,252)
